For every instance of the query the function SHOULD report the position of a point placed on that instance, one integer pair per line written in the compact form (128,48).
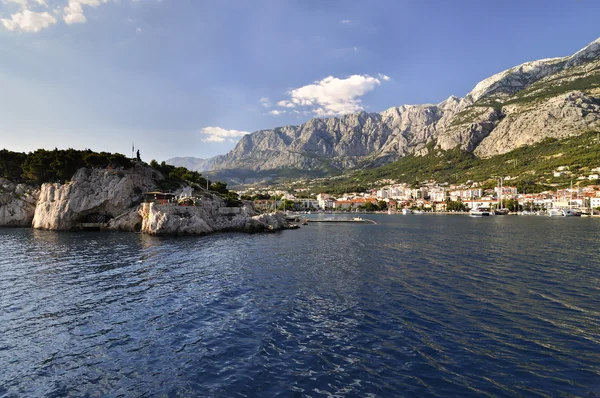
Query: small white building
(323,199)
(482,203)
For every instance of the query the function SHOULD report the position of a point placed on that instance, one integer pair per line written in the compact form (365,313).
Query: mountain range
(557,98)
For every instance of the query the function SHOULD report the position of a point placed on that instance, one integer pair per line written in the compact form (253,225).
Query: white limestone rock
(90,191)
(17,204)
(127,222)
(205,218)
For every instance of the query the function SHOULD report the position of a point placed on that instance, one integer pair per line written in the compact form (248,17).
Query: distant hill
(191,163)
(550,98)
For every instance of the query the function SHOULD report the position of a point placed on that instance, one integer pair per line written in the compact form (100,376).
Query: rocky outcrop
(129,222)
(207,217)
(112,199)
(519,106)
(90,192)
(17,204)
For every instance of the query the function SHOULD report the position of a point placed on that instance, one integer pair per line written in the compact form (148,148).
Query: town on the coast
(581,197)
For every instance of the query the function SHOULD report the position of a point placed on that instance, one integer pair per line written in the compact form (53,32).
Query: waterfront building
(437,194)
(466,194)
(480,203)
(509,192)
(324,199)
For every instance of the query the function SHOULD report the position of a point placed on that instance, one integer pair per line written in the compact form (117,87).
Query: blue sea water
(415,306)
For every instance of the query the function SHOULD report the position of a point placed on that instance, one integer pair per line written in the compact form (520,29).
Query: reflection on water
(414,306)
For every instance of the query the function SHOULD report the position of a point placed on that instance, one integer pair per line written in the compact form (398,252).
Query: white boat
(570,213)
(562,213)
(555,213)
(406,211)
(479,212)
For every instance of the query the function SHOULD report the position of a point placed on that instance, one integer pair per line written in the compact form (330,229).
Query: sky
(190,78)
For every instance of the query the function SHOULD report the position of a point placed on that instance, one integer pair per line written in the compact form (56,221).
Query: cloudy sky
(189,77)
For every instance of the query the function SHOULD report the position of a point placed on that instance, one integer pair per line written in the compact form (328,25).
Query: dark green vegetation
(532,166)
(55,166)
(174,176)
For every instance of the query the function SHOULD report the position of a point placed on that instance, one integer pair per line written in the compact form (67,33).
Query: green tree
(232,199)
(456,205)
(287,205)
(370,206)
(10,165)
(512,205)
(220,187)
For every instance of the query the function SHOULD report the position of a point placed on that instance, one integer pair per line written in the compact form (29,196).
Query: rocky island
(118,200)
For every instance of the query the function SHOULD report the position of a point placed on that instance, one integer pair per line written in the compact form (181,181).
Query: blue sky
(189,77)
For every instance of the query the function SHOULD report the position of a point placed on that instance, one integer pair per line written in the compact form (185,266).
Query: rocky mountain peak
(586,54)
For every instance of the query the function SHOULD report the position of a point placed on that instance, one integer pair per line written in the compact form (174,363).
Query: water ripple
(415,306)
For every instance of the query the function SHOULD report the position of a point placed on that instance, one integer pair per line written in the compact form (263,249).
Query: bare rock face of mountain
(562,116)
(523,105)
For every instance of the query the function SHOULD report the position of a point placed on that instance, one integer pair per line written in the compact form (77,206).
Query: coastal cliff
(17,204)
(91,193)
(112,200)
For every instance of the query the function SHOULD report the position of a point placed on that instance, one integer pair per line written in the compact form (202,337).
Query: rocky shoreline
(113,200)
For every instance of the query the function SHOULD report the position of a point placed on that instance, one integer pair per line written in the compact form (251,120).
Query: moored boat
(479,212)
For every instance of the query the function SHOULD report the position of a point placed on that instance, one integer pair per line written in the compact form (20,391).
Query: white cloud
(333,96)
(346,21)
(276,112)
(265,102)
(28,21)
(73,12)
(218,134)
(383,77)
(286,104)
